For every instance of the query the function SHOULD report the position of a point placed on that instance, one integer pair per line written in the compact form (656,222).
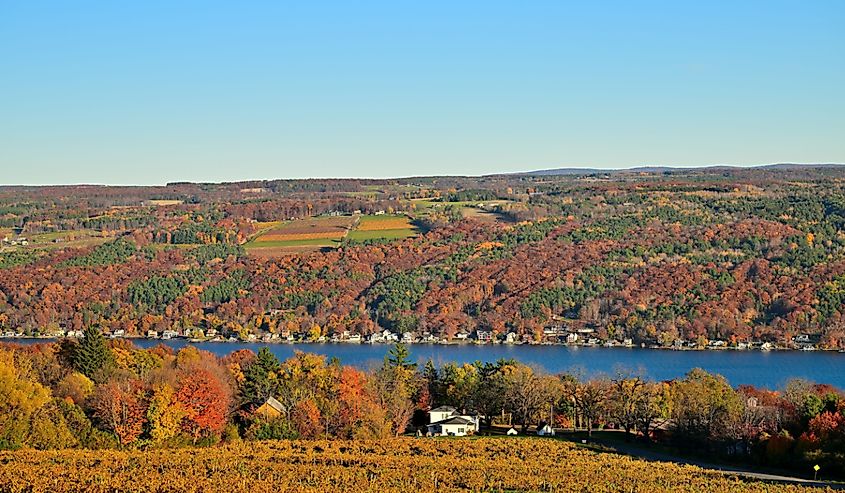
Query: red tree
(207,401)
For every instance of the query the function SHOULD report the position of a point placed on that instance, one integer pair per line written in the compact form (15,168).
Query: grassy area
(291,243)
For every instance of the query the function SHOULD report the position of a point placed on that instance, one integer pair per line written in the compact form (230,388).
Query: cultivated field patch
(315,228)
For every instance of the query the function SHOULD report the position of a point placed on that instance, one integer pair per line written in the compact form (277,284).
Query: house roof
(455,420)
(443,409)
(272,402)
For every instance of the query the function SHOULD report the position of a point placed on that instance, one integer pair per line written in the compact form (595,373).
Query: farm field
(469,209)
(313,234)
(388,226)
(480,215)
(61,239)
(306,235)
(165,202)
(333,228)
(390,465)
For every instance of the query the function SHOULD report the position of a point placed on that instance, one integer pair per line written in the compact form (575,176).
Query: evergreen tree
(261,377)
(92,356)
(399,356)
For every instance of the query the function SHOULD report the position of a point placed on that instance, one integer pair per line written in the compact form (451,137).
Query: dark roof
(455,420)
(443,409)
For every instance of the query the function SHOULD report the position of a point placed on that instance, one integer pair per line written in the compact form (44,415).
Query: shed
(271,408)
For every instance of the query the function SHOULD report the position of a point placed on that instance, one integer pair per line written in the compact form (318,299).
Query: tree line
(100,393)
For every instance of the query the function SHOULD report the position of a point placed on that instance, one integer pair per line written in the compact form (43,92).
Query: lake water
(765,369)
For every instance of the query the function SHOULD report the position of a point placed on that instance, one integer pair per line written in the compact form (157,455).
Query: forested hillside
(738,255)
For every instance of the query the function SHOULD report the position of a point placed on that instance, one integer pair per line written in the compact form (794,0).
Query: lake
(761,368)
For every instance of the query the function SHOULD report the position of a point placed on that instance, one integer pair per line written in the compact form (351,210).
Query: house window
(460,430)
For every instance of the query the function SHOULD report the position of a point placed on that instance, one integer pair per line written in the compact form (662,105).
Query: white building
(484,335)
(446,421)
(545,430)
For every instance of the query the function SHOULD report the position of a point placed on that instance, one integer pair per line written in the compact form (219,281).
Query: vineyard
(309,229)
(382,223)
(301,236)
(421,465)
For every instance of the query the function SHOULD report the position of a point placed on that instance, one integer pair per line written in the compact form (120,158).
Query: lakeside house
(446,421)
(483,336)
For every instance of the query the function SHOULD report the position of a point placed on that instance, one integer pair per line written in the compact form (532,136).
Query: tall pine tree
(261,378)
(399,356)
(92,357)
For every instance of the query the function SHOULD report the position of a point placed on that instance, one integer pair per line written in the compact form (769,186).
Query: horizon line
(572,168)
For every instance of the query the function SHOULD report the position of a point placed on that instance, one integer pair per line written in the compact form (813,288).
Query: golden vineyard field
(418,465)
(384,223)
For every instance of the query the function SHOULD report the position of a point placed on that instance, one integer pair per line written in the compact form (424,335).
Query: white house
(445,421)
(484,335)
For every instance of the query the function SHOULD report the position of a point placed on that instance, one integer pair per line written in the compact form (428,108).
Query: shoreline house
(446,421)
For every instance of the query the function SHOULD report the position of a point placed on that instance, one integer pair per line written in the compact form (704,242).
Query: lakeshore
(769,369)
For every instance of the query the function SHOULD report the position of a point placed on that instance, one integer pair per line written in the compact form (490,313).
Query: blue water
(764,369)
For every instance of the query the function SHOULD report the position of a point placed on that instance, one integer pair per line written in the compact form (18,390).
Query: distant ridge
(665,169)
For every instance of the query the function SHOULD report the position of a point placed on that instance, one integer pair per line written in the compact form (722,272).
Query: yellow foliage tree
(165,413)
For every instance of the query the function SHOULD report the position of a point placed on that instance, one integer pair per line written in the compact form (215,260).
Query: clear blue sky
(154,91)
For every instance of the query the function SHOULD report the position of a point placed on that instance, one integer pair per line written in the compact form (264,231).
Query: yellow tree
(165,413)
(20,399)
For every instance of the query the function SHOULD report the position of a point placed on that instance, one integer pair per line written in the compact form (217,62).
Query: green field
(291,243)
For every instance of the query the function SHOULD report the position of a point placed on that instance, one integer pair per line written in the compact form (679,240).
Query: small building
(512,432)
(545,430)
(484,335)
(271,408)
(152,334)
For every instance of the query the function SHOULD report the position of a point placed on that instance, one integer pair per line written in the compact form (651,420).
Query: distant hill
(665,169)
